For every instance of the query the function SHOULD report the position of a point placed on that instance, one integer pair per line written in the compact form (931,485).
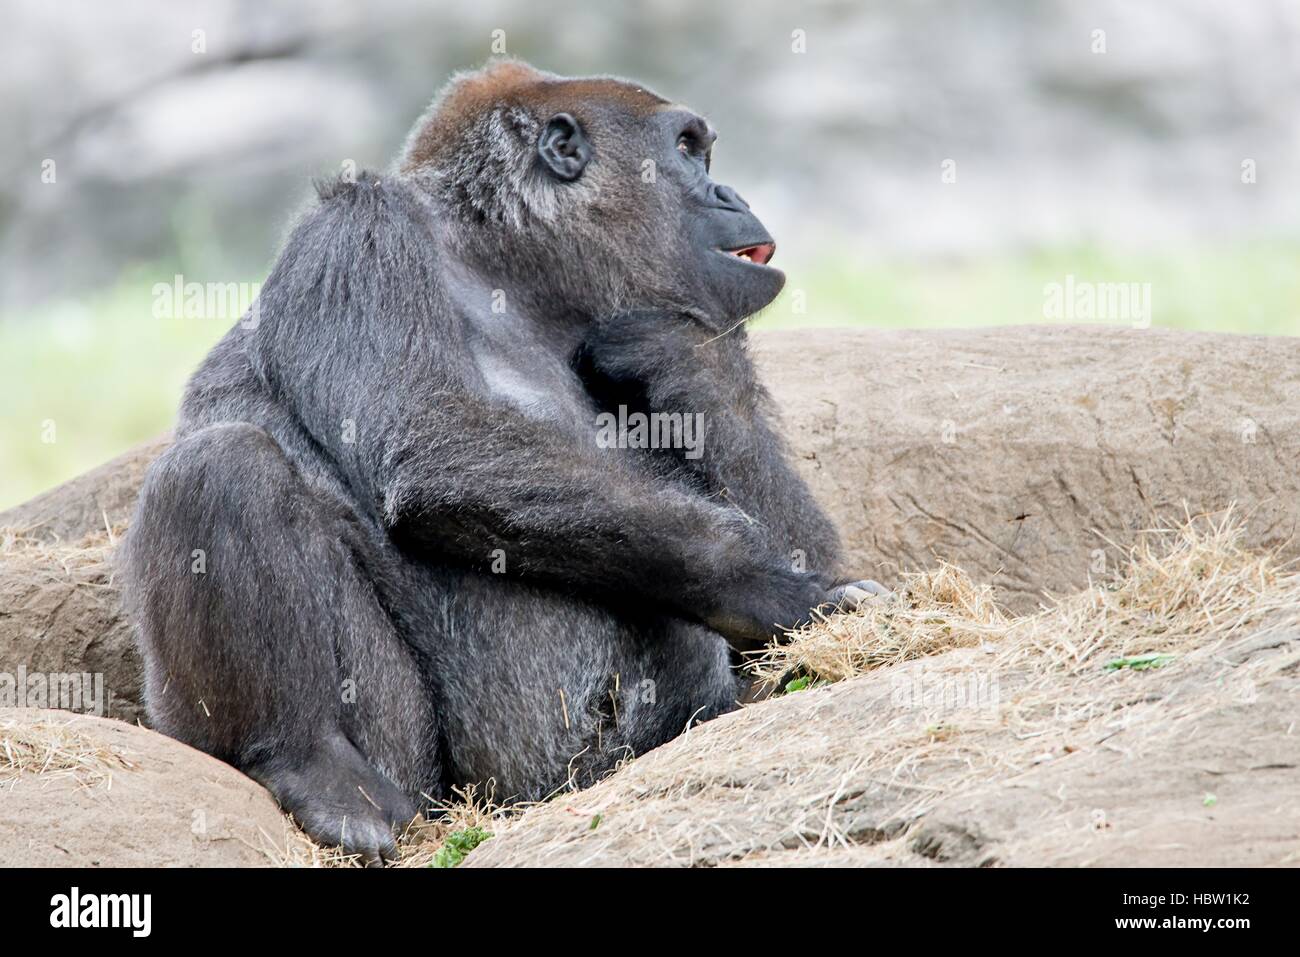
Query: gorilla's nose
(729,198)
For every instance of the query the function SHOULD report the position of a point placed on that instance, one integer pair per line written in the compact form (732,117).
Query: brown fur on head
(510,86)
(476,140)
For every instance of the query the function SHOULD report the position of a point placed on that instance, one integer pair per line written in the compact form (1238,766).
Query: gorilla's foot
(340,798)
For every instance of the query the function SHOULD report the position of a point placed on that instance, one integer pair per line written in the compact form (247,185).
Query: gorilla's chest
(520,368)
(535,385)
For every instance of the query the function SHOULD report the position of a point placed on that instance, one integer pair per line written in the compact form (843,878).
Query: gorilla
(387,553)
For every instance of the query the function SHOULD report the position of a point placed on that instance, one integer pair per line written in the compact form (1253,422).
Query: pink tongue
(761,254)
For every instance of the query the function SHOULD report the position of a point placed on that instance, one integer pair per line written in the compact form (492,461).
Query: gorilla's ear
(563,147)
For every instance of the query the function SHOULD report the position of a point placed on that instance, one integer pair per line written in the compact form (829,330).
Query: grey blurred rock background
(164,153)
(1122,166)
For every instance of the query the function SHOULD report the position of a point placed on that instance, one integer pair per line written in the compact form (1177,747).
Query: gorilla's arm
(671,363)
(484,477)
(356,337)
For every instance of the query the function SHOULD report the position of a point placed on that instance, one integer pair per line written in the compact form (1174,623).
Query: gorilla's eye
(691,145)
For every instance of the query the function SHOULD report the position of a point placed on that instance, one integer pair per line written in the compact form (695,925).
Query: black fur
(350,460)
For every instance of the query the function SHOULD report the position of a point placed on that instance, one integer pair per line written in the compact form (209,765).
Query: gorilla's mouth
(760,254)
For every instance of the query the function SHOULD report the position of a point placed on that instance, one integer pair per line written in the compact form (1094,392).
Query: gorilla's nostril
(729,197)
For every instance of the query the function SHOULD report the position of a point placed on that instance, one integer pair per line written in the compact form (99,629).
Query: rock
(1120,769)
(101,499)
(1016,453)
(60,614)
(115,795)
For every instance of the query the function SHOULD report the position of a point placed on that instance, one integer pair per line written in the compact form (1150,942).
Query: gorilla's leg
(265,644)
(539,689)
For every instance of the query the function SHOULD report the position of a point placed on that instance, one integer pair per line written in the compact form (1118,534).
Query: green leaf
(1139,662)
(458,844)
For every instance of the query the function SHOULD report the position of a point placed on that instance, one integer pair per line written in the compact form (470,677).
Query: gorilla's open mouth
(760,254)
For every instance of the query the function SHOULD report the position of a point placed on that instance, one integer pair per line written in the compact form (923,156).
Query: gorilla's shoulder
(350,206)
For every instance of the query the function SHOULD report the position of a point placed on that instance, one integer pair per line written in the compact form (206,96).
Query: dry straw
(1179,587)
(54,746)
(92,553)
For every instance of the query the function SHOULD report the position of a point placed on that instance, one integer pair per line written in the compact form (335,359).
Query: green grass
(458,844)
(1249,287)
(1139,662)
(108,374)
(104,371)
(802,683)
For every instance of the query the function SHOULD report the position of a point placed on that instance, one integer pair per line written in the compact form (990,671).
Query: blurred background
(930,163)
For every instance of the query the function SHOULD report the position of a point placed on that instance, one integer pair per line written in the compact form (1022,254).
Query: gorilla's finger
(872,587)
(853,595)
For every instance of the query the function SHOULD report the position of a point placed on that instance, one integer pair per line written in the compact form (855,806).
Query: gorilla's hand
(749,614)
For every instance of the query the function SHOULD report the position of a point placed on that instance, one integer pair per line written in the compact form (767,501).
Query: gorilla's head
(596,189)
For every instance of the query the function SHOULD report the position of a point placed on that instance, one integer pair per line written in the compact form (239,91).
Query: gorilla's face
(674,229)
(727,249)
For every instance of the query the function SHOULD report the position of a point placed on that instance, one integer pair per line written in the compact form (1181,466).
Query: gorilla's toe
(340,799)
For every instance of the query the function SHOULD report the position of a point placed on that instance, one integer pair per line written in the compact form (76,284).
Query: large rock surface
(115,795)
(1193,764)
(1015,453)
